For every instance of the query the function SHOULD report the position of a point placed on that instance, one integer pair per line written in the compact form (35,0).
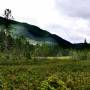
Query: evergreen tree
(7,15)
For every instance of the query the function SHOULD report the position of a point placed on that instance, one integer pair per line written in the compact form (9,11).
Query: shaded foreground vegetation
(55,74)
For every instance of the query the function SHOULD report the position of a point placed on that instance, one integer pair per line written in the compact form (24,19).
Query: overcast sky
(70,19)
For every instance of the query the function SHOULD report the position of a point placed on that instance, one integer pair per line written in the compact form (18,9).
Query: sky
(69,19)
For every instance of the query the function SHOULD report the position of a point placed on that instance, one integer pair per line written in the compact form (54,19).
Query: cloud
(73,32)
(68,19)
(74,8)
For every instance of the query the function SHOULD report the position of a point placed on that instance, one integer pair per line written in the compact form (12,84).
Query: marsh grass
(23,76)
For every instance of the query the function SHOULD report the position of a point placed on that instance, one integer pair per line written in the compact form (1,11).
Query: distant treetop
(85,41)
(8,14)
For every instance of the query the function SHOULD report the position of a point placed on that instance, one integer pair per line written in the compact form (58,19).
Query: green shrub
(80,55)
(53,83)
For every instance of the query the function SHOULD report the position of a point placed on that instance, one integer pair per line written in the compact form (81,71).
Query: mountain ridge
(33,33)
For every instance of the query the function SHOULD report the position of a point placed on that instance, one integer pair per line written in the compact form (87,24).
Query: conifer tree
(7,15)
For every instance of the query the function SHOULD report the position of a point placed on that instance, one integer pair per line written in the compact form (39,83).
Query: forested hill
(32,33)
(35,35)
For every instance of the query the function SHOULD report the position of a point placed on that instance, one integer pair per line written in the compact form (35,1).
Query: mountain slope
(32,33)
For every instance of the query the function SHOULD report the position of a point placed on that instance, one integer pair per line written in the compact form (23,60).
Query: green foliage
(80,55)
(62,75)
(53,83)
